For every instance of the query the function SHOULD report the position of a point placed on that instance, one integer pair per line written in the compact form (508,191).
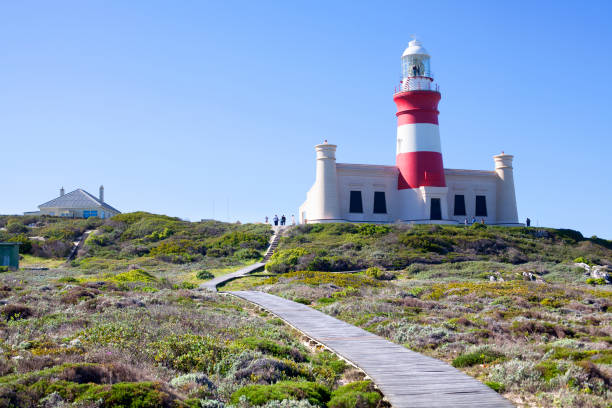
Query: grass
(30,261)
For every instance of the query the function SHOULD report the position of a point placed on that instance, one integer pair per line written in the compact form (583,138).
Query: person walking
(465,221)
(283,220)
(266,219)
(292,219)
(528,222)
(275,219)
(473,220)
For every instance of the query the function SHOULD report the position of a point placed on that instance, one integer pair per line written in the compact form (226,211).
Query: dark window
(436,209)
(481,206)
(380,203)
(459,204)
(356,205)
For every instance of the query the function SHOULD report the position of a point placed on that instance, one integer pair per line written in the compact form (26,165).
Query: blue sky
(192,108)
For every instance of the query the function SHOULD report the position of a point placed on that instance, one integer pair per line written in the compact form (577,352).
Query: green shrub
(316,394)
(582,259)
(548,369)
(273,348)
(477,357)
(426,244)
(25,246)
(285,260)
(132,395)
(568,235)
(188,285)
(371,230)
(358,394)
(15,227)
(498,387)
(596,281)
(376,273)
(204,275)
(4,268)
(135,275)
(247,253)
(478,226)
(189,352)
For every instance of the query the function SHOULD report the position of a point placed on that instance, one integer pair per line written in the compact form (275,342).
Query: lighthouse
(417,189)
(419,153)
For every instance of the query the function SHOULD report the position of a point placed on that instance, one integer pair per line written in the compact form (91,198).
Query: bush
(582,259)
(16,312)
(497,387)
(247,253)
(134,395)
(371,230)
(273,348)
(4,268)
(204,275)
(285,260)
(596,281)
(315,393)
(376,273)
(135,275)
(476,357)
(15,227)
(25,246)
(361,394)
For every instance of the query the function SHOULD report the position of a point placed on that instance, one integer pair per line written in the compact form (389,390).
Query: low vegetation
(506,305)
(125,325)
(149,240)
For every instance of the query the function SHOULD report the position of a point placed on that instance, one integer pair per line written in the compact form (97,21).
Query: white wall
(471,183)
(367,179)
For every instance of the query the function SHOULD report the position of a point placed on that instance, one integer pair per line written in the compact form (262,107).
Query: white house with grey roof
(77,204)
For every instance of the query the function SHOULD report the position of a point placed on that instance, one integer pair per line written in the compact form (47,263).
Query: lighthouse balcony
(417,83)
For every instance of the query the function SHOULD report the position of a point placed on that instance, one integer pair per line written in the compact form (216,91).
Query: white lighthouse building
(418,188)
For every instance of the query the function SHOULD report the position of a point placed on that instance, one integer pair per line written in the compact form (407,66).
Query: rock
(76,342)
(492,278)
(53,400)
(601,272)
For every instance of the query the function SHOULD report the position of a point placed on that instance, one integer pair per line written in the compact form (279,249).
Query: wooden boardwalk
(213,283)
(406,378)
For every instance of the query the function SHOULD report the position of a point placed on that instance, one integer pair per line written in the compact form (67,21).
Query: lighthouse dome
(415,48)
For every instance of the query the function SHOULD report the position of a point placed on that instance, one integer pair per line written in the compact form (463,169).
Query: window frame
(461,206)
(352,201)
(382,202)
(483,204)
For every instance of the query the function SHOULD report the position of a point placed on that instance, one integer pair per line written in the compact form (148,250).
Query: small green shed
(9,254)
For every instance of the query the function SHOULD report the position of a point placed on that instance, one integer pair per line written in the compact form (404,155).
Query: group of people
(466,222)
(282,220)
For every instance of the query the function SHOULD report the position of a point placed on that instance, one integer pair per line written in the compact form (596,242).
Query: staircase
(273,244)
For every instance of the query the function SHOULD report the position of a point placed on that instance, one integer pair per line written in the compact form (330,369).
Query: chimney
(102,193)
(61,191)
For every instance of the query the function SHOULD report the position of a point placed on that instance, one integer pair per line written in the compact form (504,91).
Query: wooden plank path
(406,378)
(213,283)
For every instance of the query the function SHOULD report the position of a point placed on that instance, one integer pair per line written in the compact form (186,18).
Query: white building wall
(368,179)
(471,183)
(416,202)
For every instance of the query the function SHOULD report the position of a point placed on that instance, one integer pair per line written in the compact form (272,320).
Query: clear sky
(202,109)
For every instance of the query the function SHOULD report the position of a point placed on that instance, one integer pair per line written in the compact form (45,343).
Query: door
(436,209)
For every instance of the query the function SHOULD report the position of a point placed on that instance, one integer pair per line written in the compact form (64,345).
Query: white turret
(505,197)
(325,202)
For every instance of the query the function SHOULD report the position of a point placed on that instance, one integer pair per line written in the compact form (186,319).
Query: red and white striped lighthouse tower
(419,156)
(419,153)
